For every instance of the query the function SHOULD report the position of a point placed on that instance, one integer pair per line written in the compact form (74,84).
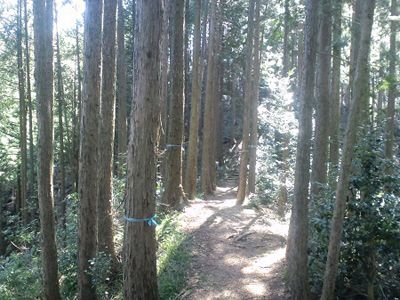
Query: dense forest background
(115,117)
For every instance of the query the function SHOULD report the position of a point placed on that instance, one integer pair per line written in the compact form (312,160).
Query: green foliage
(20,271)
(68,252)
(20,276)
(173,257)
(278,128)
(107,286)
(370,252)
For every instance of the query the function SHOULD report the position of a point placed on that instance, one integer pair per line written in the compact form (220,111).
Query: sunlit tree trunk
(215,94)
(43,32)
(354,48)
(244,155)
(88,159)
(173,194)
(191,169)
(187,73)
(254,104)
(392,93)
(107,126)
(296,250)
(321,135)
(164,89)
(140,274)
(207,156)
(360,91)
(121,123)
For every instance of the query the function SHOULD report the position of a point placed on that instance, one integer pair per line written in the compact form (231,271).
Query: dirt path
(238,253)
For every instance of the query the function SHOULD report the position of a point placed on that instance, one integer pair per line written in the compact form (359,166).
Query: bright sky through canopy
(69,13)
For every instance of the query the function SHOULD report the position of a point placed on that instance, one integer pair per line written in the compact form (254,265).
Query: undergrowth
(20,272)
(173,257)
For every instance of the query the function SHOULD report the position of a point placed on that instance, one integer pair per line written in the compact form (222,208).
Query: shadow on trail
(235,255)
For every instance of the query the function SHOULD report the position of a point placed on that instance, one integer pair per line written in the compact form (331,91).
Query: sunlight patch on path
(238,253)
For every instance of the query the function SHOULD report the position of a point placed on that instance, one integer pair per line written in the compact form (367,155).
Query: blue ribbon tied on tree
(150,221)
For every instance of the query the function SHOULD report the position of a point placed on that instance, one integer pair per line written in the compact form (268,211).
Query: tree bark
(88,159)
(354,48)
(107,127)
(173,193)
(335,93)
(187,74)
(43,31)
(206,160)
(191,169)
(254,105)
(321,135)
(215,93)
(31,180)
(140,274)
(122,135)
(390,111)
(22,121)
(61,206)
(244,155)
(164,89)
(296,250)
(360,91)
(77,112)
(286,31)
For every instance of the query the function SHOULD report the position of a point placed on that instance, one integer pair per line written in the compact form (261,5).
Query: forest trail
(237,252)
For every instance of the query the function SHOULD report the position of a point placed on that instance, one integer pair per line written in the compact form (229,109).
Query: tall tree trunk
(43,31)
(254,104)
(354,49)
(61,157)
(381,93)
(122,134)
(77,112)
(334,109)
(286,39)
(206,159)
(30,106)
(392,93)
(296,250)
(360,91)
(173,193)
(321,135)
(244,155)
(191,169)
(164,48)
(22,120)
(88,159)
(187,74)
(107,127)
(140,274)
(219,139)
(217,72)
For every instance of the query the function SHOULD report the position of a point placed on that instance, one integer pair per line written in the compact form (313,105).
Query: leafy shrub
(20,276)
(370,252)
(67,241)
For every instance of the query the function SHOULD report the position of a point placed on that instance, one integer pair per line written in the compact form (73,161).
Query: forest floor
(237,252)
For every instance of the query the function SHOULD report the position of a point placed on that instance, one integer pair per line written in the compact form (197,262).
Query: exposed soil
(237,252)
